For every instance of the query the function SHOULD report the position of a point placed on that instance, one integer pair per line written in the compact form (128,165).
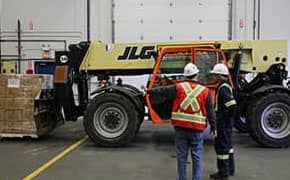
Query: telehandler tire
(269,120)
(111,120)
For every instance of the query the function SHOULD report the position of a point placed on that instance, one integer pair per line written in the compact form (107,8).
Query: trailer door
(170,20)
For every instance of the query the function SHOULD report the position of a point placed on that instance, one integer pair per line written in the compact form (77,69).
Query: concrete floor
(150,157)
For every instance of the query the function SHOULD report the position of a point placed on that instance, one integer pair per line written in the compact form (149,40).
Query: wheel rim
(275,120)
(110,120)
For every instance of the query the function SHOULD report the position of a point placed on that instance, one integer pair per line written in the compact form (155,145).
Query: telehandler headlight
(63,59)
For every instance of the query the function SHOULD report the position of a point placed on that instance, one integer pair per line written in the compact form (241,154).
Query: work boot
(218,176)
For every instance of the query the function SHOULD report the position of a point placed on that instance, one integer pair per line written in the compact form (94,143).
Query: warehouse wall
(71,17)
(169,20)
(101,20)
(62,19)
(54,22)
(52,15)
(275,21)
(243,19)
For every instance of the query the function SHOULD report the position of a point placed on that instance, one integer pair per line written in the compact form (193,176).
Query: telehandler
(114,113)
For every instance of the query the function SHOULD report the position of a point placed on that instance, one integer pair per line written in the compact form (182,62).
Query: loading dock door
(170,20)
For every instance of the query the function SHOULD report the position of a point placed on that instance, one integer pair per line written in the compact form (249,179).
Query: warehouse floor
(150,157)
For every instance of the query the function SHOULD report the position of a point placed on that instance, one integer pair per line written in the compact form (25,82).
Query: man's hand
(214,133)
(144,89)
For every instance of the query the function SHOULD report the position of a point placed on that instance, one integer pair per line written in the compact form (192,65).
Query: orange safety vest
(189,109)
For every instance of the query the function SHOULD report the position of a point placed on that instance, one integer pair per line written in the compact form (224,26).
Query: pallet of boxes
(20,113)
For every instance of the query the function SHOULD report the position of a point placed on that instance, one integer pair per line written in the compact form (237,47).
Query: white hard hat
(190,70)
(220,69)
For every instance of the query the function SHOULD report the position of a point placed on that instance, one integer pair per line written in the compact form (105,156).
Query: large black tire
(111,120)
(269,120)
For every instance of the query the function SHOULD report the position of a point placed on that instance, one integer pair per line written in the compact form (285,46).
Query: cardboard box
(19,92)
(2,80)
(29,125)
(2,103)
(28,115)
(19,127)
(2,92)
(14,92)
(23,86)
(31,80)
(11,127)
(19,103)
(13,115)
(2,125)
(18,114)
(2,115)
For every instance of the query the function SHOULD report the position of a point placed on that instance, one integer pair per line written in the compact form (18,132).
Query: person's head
(191,71)
(119,81)
(219,73)
(159,74)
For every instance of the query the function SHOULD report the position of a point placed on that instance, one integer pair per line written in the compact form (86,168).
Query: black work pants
(223,145)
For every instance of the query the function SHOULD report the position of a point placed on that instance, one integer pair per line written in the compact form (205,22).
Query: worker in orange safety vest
(192,110)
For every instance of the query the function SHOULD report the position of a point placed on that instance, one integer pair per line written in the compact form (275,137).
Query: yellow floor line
(53,160)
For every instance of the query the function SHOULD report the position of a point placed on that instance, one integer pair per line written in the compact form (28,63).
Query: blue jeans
(186,139)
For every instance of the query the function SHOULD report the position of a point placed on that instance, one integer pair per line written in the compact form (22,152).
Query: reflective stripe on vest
(223,157)
(231,151)
(191,95)
(190,101)
(196,118)
(230,103)
(227,104)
